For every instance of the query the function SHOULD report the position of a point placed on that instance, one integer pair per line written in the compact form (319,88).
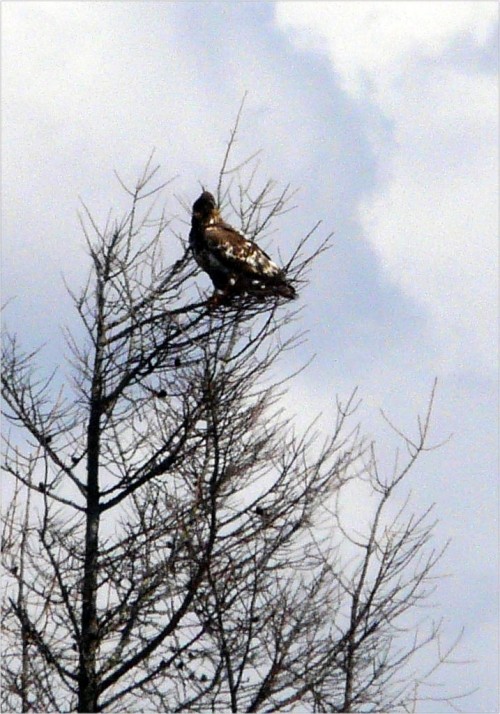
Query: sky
(384,116)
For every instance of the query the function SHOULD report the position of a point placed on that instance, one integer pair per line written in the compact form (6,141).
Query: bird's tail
(275,285)
(284,289)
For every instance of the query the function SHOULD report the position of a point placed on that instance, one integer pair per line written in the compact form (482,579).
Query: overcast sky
(384,115)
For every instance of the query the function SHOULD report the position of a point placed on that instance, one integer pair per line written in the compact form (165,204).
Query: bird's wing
(237,252)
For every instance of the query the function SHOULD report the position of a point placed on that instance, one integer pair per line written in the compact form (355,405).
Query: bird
(234,263)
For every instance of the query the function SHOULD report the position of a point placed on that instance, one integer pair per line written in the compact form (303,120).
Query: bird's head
(204,207)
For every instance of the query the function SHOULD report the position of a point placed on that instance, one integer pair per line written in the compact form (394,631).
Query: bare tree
(172,543)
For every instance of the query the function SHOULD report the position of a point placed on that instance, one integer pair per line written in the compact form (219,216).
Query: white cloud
(371,43)
(432,219)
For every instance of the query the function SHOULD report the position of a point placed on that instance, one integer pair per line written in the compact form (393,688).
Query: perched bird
(234,263)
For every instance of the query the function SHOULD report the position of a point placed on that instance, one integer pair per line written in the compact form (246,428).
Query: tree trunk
(87,681)
(87,684)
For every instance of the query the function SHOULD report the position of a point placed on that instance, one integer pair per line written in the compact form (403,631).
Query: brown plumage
(234,263)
